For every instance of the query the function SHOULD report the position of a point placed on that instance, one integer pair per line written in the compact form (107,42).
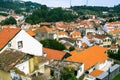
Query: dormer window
(20,44)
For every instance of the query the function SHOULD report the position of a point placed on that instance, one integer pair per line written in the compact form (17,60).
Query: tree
(71,48)
(68,74)
(44,14)
(114,55)
(53,44)
(8,21)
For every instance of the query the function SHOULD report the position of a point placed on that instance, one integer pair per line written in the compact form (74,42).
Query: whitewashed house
(18,39)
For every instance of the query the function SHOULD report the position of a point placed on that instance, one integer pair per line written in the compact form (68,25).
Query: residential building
(89,39)
(44,33)
(75,35)
(18,39)
(93,58)
(61,34)
(103,40)
(16,65)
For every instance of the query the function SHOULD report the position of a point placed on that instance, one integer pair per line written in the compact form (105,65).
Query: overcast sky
(66,3)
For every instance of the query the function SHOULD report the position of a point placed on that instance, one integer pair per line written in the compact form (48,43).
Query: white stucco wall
(80,71)
(30,45)
(101,65)
(24,67)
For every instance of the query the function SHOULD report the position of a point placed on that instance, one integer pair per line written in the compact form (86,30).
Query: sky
(66,3)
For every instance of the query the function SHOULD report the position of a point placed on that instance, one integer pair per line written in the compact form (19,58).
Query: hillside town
(77,50)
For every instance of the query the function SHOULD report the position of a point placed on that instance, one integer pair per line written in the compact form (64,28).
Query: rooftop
(54,54)
(61,64)
(30,32)
(90,56)
(8,61)
(96,73)
(43,29)
(6,35)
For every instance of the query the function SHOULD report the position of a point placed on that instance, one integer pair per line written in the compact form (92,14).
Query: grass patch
(117,77)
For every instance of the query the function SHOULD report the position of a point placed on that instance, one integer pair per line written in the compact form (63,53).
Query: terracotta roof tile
(30,32)
(75,33)
(90,56)
(99,36)
(53,54)
(74,52)
(43,29)
(62,33)
(115,31)
(96,73)
(6,35)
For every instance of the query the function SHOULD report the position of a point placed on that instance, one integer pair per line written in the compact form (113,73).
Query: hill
(18,6)
(97,10)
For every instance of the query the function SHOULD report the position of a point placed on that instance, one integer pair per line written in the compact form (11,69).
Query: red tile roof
(62,33)
(6,35)
(43,29)
(30,32)
(96,73)
(53,54)
(100,36)
(115,31)
(90,56)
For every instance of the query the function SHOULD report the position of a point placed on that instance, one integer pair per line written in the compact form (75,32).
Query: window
(75,72)
(20,44)
(9,44)
(51,72)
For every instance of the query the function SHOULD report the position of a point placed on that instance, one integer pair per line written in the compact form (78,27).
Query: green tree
(44,14)
(53,44)
(114,55)
(8,21)
(68,74)
(71,48)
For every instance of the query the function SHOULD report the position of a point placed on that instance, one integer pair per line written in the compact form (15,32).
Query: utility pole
(70,4)
(86,2)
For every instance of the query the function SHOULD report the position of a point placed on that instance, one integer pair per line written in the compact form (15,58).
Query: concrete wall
(4,75)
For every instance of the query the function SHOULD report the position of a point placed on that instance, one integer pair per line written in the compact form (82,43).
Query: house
(53,54)
(18,39)
(16,65)
(81,45)
(56,58)
(112,26)
(61,34)
(56,67)
(25,26)
(115,34)
(93,58)
(2,18)
(31,33)
(89,39)
(114,48)
(75,35)
(18,18)
(110,74)
(44,33)
(68,42)
(102,40)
